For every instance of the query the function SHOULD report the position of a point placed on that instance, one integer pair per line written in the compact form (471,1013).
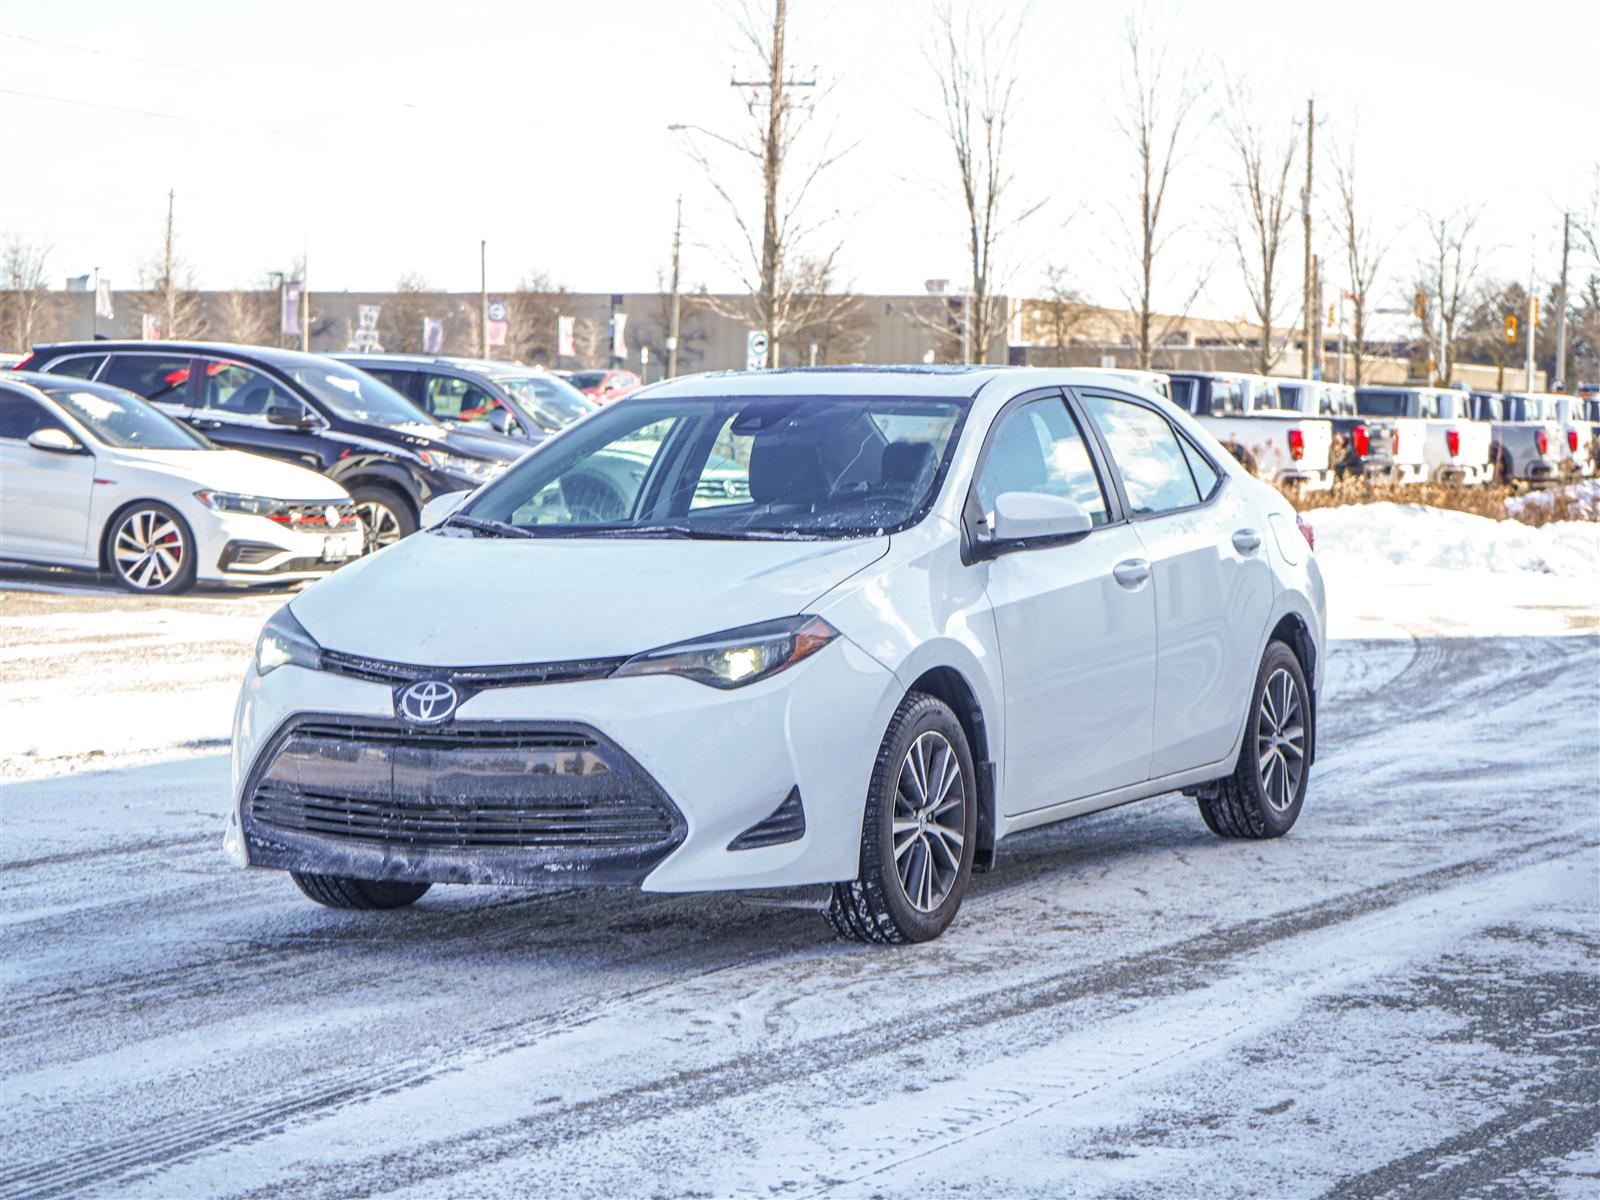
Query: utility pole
(1318,357)
(1531,334)
(1306,352)
(1561,302)
(672,326)
(305,296)
(483,299)
(95,307)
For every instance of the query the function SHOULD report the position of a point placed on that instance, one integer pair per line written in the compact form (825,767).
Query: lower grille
(340,794)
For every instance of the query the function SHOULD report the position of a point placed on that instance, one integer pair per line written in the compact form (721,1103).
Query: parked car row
(380,438)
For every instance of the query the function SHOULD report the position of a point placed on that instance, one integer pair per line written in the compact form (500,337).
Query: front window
(730,467)
(357,396)
(551,403)
(239,391)
(123,420)
(452,399)
(1039,448)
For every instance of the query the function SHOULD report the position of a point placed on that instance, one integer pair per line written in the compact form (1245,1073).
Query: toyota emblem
(427,702)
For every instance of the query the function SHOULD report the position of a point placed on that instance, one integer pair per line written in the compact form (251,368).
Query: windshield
(550,403)
(587,379)
(121,419)
(357,396)
(1381,404)
(731,467)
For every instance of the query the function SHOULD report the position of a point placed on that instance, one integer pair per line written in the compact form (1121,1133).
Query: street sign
(755,350)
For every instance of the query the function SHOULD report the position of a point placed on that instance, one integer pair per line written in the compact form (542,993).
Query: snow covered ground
(1398,998)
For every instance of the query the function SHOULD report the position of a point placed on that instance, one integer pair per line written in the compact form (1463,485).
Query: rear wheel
(1263,796)
(340,891)
(919,831)
(387,515)
(150,549)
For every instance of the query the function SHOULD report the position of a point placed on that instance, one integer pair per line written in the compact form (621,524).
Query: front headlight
(736,657)
(477,469)
(261,506)
(285,643)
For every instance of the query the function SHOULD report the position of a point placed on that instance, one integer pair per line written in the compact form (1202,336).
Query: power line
(142,112)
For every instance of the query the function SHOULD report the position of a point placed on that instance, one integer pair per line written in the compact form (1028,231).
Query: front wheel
(1263,796)
(341,891)
(386,515)
(150,549)
(919,832)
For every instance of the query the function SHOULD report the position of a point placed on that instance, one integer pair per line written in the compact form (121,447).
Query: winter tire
(150,549)
(918,834)
(1262,798)
(385,513)
(340,891)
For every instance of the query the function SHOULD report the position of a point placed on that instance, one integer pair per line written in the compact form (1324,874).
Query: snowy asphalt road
(1400,998)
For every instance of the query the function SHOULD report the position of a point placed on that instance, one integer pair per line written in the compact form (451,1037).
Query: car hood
(236,471)
(442,600)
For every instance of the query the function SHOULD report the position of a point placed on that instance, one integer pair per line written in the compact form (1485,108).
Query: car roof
(483,365)
(271,355)
(937,380)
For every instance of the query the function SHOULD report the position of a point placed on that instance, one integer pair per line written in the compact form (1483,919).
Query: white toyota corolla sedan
(93,477)
(947,604)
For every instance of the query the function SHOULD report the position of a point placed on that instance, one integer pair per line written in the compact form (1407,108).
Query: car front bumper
(642,781)
(245,548)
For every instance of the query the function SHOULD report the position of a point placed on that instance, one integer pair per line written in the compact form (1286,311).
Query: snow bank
(1410,570)
(1584,494)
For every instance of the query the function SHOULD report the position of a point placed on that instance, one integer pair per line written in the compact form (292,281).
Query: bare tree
(532,310)
(1063,316)
(1363,250)
(168,287)
(838,328)
(250,316)
(1446,280)
(1263,212)
(974,54)
(778,144)
(592,341)
(1158,119)
(22,276)
(400,322)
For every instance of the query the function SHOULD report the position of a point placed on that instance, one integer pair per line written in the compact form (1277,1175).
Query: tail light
(1361,440)
(1572,440)
(1394,443)
(1452,439)
(1297,444)
(1306,531)
(1541,439)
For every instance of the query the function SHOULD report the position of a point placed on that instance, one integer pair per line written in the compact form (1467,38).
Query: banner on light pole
(499,322)
(289,310)
(433,335)
(566,337)
(619,340)
(151,328)
(102,300)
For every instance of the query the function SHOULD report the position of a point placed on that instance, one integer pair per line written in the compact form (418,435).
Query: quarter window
(1155,470)
(153,376)
(1205,475)
(1038,447)
(79,366)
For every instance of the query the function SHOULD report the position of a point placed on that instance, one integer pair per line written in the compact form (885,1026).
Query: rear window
(153,376)
(1381,404)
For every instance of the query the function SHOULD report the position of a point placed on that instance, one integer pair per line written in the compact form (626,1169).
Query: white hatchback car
(93,477)
(950,604)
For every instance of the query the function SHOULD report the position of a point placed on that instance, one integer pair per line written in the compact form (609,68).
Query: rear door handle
(1246,540)
(1132,572)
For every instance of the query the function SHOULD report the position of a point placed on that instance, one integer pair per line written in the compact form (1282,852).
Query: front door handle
(1132,572)
(1245,541)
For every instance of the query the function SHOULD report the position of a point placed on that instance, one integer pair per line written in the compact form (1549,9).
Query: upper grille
(379,670)
(298,515)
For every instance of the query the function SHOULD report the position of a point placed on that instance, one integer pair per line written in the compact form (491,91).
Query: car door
(1077,640)
(233,402)
(44,494)
(1212,583)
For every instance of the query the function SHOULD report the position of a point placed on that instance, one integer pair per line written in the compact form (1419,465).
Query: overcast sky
(391,137)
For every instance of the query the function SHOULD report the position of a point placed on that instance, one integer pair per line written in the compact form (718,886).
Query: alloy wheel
(382,525)
(930,813)
(1281,740)
(148,549)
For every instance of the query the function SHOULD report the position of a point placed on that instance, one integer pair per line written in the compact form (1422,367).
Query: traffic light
(1511,327)
(1421,306)
(1333,318)
(1536,311)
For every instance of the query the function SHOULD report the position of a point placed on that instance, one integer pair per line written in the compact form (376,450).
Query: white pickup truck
(1242,412)
(1574,435)
(1372,448)
(1456,448)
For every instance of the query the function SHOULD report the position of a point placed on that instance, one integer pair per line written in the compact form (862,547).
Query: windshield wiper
(487,528)
(693,533)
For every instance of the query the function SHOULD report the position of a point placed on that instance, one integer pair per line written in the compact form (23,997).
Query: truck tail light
(1361,440)
(1394,442)
(1306,531)
(1452,439)
(1572,440)
(1541,439)
(1297,444)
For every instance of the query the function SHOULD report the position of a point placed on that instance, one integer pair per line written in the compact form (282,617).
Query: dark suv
(480,394)
(305,408)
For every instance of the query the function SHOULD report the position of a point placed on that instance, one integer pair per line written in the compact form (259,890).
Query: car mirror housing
(1024,519)
(440,507)
(288,414)
(55,441)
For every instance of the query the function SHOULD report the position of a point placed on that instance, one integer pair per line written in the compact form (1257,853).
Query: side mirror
(440,507)
(55,441)
(288,414)
(1023,517)
(499,419)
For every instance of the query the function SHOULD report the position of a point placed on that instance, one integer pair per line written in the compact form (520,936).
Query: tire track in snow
(1179,966)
